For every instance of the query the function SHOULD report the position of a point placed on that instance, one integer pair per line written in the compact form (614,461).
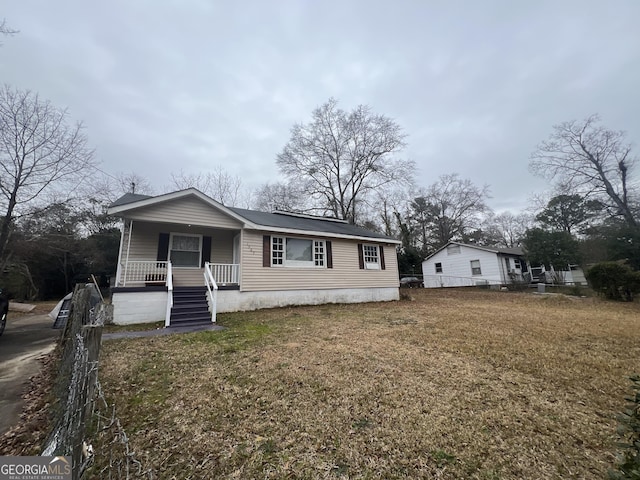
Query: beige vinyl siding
(144,241)
(346,272)
(188,277)
(187,210)
(222,246)
(144,246)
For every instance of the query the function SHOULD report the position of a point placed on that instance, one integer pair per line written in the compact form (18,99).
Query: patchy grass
(453,384)
(136,327)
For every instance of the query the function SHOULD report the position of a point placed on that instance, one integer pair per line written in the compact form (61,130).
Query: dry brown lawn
(453,384)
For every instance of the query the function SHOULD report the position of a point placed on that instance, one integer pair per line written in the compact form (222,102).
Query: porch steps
(190,307)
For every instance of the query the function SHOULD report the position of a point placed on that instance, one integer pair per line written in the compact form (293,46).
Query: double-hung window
(297,252)
(318,253)
(185,250)
(371,257)
(277,251)
(475,267)
(439,267)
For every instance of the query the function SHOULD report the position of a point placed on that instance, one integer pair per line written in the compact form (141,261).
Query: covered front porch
(153,254)
(175,271)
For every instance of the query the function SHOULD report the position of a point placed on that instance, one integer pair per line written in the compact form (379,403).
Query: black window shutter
(163,247)
(381,257)
(266,250)
(360,256)
(329,253)
(206,250)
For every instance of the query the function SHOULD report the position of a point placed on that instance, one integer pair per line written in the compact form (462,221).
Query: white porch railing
(167,317)
(212,290)
(137,272)
(225,273)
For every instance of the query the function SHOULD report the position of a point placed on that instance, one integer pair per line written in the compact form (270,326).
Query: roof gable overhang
(497,251)
(121,210)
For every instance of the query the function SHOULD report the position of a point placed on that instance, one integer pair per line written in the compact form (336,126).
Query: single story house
(183,257)
(459,265)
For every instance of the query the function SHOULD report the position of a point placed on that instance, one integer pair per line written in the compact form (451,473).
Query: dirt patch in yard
(454,384)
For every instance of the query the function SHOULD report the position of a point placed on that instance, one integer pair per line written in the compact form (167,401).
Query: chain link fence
(81,414)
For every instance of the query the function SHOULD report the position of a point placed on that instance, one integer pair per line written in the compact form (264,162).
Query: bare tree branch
(447,209)
(590,160)
(340,157)
(39,153)
(6,30)
(218,184)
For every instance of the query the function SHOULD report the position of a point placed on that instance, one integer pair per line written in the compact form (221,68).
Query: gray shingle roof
(511,251)
(128,198)
(282,220)
(505,251)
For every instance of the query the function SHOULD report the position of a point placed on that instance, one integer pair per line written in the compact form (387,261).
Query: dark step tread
(201,313)
(195,321)
(189,303)
(191,308)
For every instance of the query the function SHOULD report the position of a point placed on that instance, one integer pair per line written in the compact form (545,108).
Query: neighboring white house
(460,265)
(183,257)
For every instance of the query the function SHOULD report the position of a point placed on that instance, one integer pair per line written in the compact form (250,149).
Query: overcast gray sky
(190,84)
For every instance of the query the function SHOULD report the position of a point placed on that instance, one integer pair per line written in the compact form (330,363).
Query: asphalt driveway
(25,340)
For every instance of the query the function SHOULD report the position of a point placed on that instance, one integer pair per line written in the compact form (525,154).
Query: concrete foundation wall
(236,301)
(144,307)
(139,307)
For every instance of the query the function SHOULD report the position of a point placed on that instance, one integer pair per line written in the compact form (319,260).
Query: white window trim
(298,263)
(436,267)
(185,235)
(371,265)
(479,267)
(283,242)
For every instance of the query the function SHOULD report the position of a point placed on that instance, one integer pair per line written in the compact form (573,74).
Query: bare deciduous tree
(386,205)
(507,229)
(341,157)
(218,184)
(286,197)
(131,182)
(39,152)
(447,209)
(590,160)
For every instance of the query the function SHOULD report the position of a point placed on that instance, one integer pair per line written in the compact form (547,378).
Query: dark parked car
(4,309)
(411,282)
